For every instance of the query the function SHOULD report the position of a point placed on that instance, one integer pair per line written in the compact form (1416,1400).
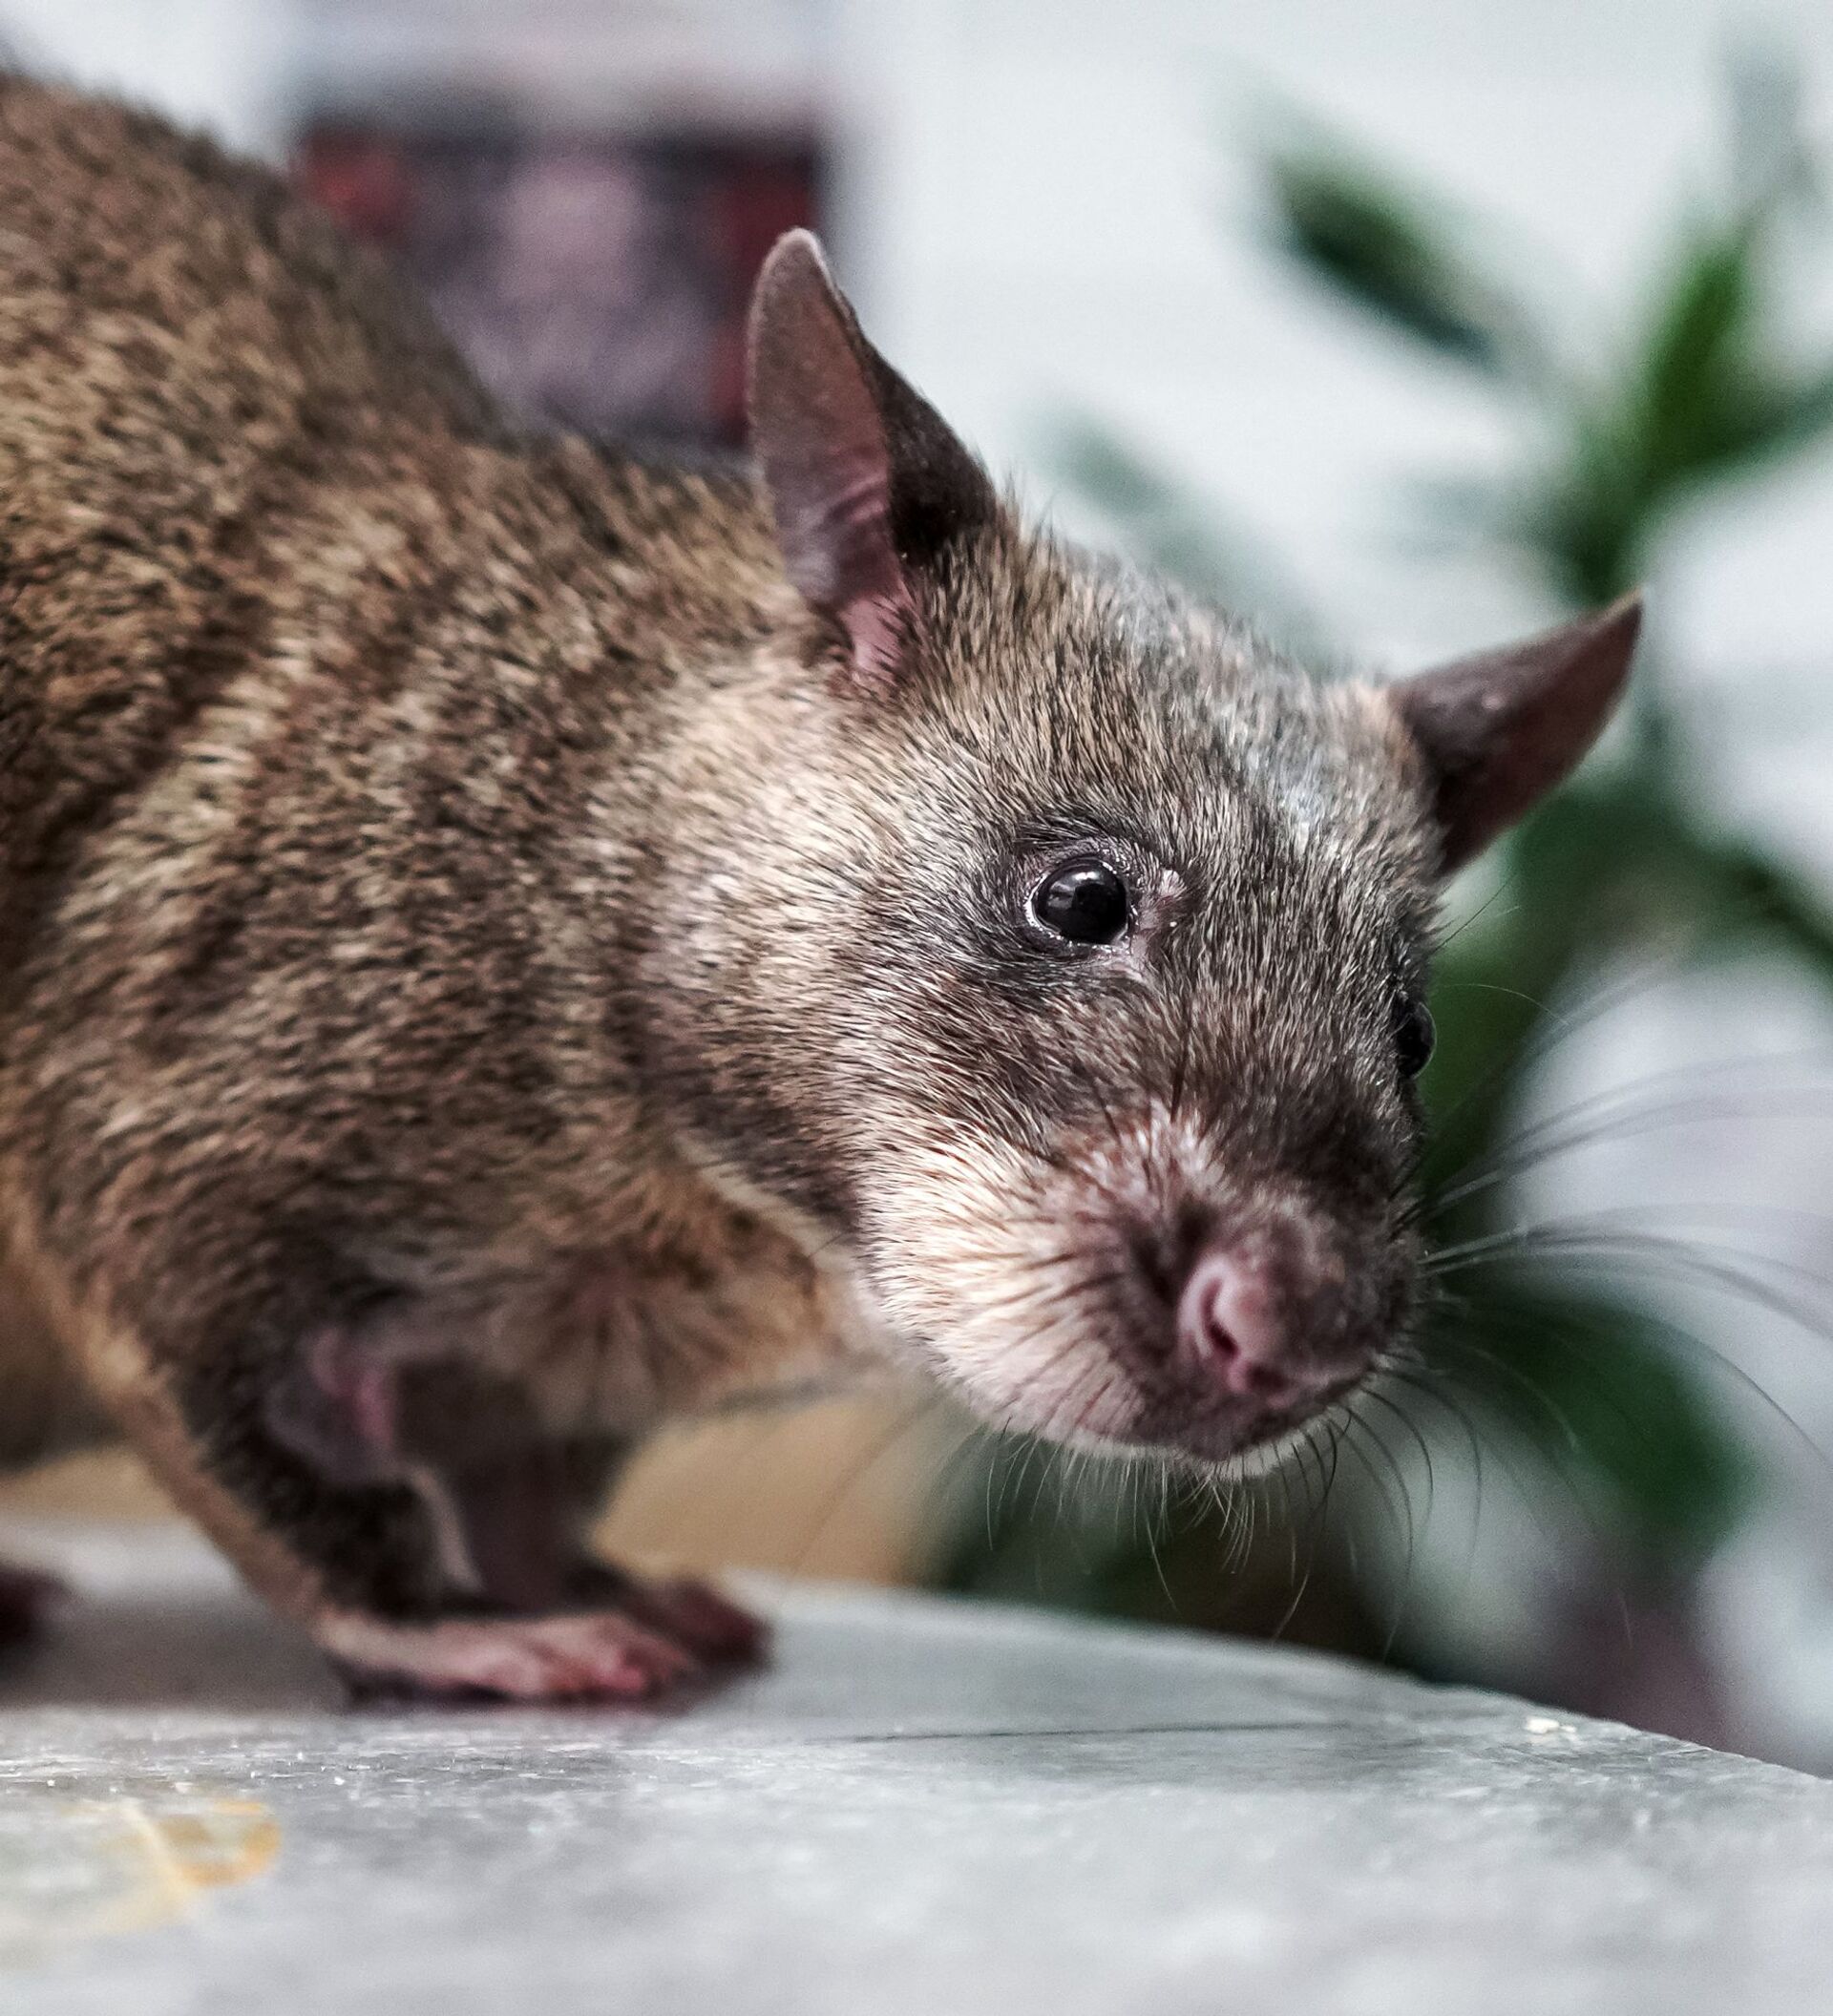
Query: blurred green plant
(1615,440)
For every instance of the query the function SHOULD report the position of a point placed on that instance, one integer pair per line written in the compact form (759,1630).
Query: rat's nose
(1243,1320)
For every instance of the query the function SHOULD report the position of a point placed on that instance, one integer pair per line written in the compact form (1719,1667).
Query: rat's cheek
(1073,1392)
(1022,1346)
(1003,1299)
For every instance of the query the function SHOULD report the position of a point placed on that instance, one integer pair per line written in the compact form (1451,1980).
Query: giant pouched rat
(504,943)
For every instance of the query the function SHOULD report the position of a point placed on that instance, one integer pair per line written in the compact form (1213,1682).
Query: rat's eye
(1084,901)
(1413,1035)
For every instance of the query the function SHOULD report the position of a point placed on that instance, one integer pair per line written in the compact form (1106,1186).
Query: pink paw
(598,1655)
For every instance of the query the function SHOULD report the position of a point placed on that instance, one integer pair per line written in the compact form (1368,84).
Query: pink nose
(1234,1321)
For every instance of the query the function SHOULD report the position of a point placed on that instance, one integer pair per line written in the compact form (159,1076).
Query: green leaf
(1392,255)
(1697,355)
(1763,419)
(1735,892)
(1702,402)
(1592,1383)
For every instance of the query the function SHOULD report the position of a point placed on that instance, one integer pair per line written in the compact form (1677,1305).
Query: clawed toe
(701,1618)
(575,1656)
(688,1611)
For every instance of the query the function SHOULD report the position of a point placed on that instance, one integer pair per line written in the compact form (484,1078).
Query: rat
(505,944)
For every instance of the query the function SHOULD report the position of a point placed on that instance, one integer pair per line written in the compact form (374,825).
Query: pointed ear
(1498,731)
(866,481)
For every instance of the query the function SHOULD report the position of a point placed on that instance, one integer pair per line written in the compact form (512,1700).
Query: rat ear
(866,481)
(1499,730)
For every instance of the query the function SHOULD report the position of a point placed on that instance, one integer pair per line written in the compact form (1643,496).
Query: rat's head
(1062,952)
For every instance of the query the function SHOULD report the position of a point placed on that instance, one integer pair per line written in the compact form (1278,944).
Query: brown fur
(460,911)
(312,674)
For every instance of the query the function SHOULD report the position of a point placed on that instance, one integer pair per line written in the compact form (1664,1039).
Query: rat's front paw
(585,1655)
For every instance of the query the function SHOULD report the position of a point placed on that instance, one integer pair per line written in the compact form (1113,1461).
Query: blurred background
(1404,327)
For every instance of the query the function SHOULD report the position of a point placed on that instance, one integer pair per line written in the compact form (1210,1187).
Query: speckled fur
(443,870)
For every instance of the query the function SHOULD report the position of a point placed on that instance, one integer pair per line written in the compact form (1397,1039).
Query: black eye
(1084,901)
(1413,1035)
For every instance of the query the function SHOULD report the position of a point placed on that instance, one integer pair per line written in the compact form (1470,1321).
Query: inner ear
(1498,731)
(866,483)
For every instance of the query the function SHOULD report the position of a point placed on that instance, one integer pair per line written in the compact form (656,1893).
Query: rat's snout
(1173,1297)
(1261,1316)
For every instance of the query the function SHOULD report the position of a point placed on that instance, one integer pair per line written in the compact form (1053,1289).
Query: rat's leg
(359,1561)
(521,1518)
(511,1499)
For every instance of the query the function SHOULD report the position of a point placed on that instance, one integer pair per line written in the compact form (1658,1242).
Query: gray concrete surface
(924,1807)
